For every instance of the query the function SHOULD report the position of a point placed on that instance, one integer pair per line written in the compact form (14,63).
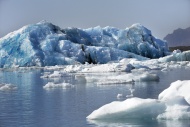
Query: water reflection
(139,123)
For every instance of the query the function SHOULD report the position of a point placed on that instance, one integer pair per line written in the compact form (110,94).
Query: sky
(160,16)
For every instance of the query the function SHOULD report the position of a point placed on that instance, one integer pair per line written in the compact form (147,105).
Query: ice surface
(178,88)
(51,85)
(44,44)
(172,104)
(133,108)
(7,87)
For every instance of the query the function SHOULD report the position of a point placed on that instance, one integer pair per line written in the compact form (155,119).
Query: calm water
(32,106)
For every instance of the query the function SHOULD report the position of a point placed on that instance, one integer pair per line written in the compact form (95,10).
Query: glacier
(44,44)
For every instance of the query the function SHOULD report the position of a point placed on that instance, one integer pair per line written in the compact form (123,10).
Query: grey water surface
(32,106)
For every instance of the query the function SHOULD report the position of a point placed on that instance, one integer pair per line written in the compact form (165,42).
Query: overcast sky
(160,16)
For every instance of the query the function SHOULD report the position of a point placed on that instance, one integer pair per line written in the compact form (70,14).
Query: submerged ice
(44,44)
(172,104)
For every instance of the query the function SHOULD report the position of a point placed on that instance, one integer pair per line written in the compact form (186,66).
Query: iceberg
(172,104)
(133,108)
(44,44)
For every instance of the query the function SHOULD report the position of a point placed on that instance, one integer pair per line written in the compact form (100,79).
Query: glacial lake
(30,105)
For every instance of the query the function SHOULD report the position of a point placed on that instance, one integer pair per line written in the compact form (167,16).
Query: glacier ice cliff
(44,44)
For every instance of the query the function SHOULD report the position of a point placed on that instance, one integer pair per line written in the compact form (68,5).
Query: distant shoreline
(182,48)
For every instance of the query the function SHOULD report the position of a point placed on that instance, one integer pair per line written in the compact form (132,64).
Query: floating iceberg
(44,44)
(173,103)
(133,108)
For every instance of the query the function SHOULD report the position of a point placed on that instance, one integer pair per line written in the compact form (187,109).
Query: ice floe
(172,104)
(128,109)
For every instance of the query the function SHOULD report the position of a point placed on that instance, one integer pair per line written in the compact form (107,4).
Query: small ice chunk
(51,85)
(55,74)
(6,87)
(164,70)
(131,91)
(120,96)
